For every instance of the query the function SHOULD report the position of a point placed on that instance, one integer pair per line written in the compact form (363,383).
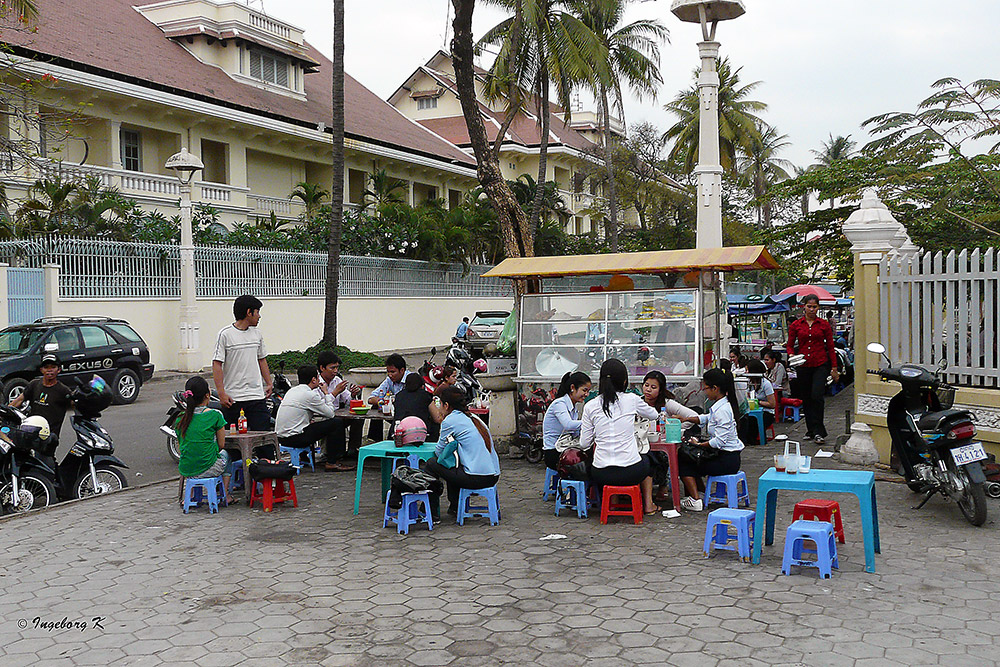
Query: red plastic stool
(273,492)
(632,509)
(817,509)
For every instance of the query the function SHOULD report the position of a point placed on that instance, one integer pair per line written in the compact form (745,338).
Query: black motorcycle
(460,359)
(933,441)
(25,480)
(280,387)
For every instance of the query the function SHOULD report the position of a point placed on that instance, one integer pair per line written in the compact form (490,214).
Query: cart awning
(735,258)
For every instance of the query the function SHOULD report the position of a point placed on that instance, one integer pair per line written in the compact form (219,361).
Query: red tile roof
(111,38)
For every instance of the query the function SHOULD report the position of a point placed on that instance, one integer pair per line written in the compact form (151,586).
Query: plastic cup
(779,462)
(792,464)
(804,463)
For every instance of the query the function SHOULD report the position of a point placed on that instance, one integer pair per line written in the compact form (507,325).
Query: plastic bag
(508,337)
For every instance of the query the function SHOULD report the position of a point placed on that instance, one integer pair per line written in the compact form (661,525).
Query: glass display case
(646,329)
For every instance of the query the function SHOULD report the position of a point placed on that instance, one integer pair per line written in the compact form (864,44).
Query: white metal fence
(943,307)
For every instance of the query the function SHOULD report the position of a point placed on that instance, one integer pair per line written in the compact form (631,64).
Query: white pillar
(50,276)
(4,309)
(188,357)
(709,169)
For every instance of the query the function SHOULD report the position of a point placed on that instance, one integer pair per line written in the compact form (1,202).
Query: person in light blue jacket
(561,416)
(477,465)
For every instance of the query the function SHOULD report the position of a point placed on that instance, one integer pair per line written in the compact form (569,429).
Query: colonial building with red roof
(242,90)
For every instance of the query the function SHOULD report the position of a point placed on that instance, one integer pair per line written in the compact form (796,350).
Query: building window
(131,143)
(427,103)
(266,67)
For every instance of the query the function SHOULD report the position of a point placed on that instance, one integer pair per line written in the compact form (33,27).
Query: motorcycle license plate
(969,453)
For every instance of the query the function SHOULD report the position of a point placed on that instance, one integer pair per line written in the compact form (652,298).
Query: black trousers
(726,463)
(551,458)
(258,419)
(311,434)
(337,441)
(457,479)
(812,385)
(749,432)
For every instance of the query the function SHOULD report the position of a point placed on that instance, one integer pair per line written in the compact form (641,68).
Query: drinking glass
(779,462)
(804,463)
(792,464)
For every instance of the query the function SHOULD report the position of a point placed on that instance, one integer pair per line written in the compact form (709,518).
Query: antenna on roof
(258,5)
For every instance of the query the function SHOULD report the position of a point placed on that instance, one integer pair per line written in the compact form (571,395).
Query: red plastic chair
(273,492)
(817,509)
(632,509)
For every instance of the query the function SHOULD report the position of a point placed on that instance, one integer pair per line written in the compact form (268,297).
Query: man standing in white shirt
(301,403)
(338,393)
(239,367)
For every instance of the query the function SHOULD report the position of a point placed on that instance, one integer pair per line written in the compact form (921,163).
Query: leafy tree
(311,195)
(382,189)
(760,167)
(837,148)
(633,57)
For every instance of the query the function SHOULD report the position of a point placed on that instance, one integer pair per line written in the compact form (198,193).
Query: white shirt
(240,353)
(297,409)
(682,411)
(613,437)
(341,400)
(722,426)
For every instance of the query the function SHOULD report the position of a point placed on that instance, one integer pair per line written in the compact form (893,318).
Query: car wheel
(125,386)
(12,389)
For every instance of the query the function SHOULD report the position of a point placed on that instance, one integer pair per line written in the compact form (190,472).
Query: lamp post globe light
(184,166)
(708,13)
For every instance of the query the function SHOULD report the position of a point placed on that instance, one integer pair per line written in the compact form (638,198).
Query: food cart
(760,319)
(677,329)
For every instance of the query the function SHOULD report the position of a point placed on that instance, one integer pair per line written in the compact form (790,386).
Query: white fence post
(4,310)
(51,276)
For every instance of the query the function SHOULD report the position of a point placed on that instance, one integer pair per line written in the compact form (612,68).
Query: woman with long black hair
(560,417)
(609,427)
(722,438)
(201,436)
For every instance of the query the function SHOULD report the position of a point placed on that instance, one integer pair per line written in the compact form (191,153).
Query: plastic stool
(236,480)
(817,509)
(790,409)
(214,487)
(467,509)
(273,491)
(551,485)
(729,492)
(297,453)
(632,509)
(409,513)
(572,493)
(820,532)
(717,535)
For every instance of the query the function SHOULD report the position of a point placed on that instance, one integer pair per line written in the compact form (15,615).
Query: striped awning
(736,258)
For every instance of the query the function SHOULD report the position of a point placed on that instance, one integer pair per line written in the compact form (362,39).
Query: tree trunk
(513,90)
(612,194)
(543,151)
(337,189)
(517,237)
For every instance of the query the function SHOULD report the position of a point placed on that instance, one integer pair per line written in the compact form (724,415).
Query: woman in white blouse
(721,423)
(609,427)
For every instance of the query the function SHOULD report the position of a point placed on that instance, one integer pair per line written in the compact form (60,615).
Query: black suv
(84,346)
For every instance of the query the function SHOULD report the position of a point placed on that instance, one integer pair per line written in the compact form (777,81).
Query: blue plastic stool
(717,535)
(297,453)
(820,532)
(467,509)
(727,490)
(572,493)
(236,480)
(794,409)
(551,485)
(213,488)
(409,513)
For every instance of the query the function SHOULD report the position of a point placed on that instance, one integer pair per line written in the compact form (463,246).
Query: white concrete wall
(294,323)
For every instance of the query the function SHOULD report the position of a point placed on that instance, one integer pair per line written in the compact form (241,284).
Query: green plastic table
(859,482)
(387,450)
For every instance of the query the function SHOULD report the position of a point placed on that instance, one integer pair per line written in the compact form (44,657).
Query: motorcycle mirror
(942,365)
(281,366)
(876,348)
(434,351)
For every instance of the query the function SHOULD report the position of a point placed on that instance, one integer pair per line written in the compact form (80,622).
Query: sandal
(234,500)
(655,510)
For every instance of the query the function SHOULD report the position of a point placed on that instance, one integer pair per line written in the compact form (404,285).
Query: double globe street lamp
(185,165)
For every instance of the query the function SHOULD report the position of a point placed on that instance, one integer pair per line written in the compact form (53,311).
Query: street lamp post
(185,165)
(708,13)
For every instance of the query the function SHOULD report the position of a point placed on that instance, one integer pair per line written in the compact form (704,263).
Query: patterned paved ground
(317,585)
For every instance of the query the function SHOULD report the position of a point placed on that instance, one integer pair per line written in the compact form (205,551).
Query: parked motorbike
(933,441)
(280,386)
(531,412)
(460,359)
(25,481)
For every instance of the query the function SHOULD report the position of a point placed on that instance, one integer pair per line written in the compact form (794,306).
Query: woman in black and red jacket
(812,337)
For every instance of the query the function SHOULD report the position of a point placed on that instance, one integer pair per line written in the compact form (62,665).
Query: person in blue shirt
(561,416)
(463,328)
(477,465)
(393,384)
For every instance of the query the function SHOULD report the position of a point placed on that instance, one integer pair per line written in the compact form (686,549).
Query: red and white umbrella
(825,298)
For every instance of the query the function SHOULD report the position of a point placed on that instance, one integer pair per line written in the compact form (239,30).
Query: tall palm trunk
(612,194)
(514,229)
(337,188)
(543,151)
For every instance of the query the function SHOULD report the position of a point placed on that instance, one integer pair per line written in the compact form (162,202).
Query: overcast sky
(825,66)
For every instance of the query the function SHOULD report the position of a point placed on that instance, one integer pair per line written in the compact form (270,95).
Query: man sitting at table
(294,425)
(393,384)
(338,393)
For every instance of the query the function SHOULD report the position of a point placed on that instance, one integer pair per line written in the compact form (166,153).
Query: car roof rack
(65,320)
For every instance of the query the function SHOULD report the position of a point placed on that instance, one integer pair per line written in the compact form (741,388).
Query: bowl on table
(360,409)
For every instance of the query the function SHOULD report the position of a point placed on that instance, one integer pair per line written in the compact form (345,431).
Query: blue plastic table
(387,450)
(859,482)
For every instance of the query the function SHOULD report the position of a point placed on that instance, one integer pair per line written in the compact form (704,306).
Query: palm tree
(760,167)
(633,57)
(25,11)
(556,49)
(738,120)
(524,189)
(311,194)
(837,148)
(50,206)
(382,189)
(337,191)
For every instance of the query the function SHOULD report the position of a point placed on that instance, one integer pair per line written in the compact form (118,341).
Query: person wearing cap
(48,397)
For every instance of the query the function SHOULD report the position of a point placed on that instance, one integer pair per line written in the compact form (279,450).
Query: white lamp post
(185,165)
(709,170)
